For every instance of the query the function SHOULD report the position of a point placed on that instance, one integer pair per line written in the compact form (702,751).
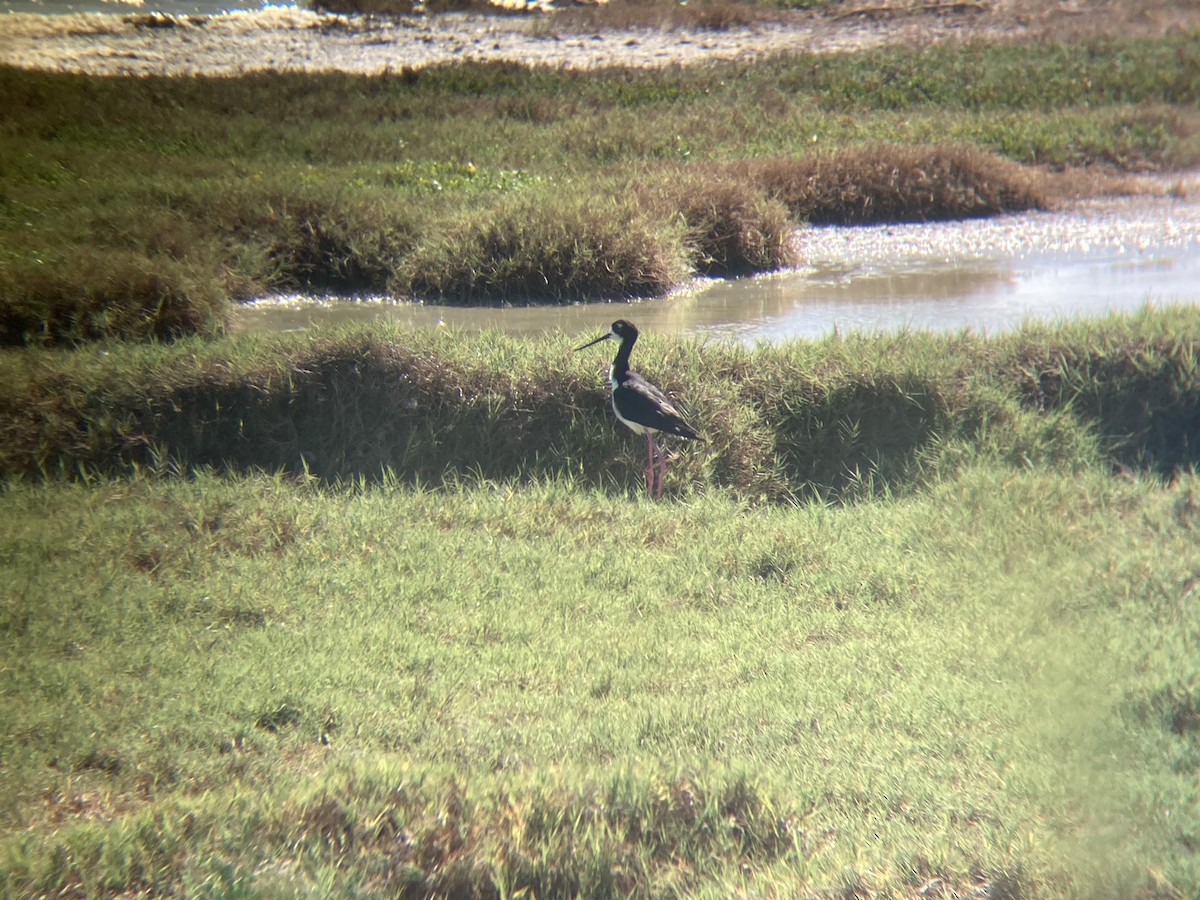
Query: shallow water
(988,275)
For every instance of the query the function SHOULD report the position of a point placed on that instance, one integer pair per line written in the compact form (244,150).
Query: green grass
(456,653)
(842,418)
(144,207)
(261,687)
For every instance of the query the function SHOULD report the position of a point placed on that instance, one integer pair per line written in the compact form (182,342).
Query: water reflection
(987,275)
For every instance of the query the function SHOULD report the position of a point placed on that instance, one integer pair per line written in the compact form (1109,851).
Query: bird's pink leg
(650,464)
(662,470)
(654,467)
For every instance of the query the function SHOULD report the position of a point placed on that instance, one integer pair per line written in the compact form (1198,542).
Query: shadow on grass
(859,437)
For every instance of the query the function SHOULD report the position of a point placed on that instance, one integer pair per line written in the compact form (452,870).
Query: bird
(642,407)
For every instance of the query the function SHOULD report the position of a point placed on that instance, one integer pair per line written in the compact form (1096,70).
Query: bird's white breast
(635,427)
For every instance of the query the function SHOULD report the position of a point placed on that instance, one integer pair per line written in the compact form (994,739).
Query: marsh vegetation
(145,207)
(920,613)
(829,420)
(380,613)
(261,686)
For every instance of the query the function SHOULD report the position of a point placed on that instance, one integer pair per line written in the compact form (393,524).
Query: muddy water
(986,275)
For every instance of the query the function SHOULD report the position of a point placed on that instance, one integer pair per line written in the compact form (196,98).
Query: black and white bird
(640,405)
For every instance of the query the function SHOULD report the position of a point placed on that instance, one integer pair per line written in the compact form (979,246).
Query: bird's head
(621,330)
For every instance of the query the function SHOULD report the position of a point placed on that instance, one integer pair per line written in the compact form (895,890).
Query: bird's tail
(686,431)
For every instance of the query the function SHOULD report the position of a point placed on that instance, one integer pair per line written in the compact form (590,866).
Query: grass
(260,687)
(385,614)
(838,419)
(144,208)
(454,652)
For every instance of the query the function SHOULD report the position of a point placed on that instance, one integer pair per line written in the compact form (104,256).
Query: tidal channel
(986,275)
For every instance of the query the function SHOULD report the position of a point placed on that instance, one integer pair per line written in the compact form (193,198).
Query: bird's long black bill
(603,337)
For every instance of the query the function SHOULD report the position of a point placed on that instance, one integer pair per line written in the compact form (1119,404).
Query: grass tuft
(732,227)
(528,252)
(878,184)
(91,295)
(844,418)
(319,240)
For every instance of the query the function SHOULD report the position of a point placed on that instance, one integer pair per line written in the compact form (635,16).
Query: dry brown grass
(1101,181)
(733,228)
(704,15)
(890,183)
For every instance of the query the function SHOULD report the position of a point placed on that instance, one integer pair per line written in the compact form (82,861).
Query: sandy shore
(290,39)
(298,40)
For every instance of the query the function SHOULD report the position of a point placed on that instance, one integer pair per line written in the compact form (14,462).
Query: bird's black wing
(642,402)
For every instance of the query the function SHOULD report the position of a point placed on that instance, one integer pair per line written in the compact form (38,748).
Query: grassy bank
(450,651)
(838,419)
(259,687)
(145,207)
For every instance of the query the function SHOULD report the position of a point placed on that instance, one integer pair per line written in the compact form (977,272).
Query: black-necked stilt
(640,405)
